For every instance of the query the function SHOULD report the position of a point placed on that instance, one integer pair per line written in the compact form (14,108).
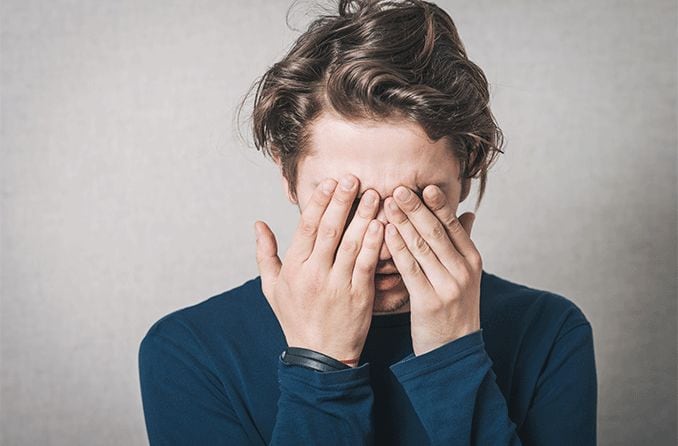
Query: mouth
(384,273)
(387,268)
(386,281)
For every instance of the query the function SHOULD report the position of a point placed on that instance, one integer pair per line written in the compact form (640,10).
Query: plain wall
(127,193)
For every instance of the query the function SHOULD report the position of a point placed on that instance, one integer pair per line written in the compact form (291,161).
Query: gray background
(127,194)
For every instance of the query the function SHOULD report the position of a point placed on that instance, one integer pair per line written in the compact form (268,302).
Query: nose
(384,253)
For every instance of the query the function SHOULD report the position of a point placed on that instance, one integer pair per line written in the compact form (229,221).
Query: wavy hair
(378,60)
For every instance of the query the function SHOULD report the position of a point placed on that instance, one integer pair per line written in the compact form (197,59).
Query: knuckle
(455,291)
(401,247)
(420,245)
(436,233)
(412,267)
(414,204)
(328,231)
(437,204)
(453,224)
(363,267)
(308,229)
(434,305)
(464,278)
(350,246)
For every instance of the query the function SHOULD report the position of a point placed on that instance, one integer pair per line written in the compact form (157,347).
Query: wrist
(315,360)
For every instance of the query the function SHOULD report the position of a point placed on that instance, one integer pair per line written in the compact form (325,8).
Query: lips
(384,282)
(392,270)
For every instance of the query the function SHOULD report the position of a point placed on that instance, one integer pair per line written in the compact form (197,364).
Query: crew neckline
(391,320)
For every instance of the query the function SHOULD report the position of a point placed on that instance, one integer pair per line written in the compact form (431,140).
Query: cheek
(452,196)
(304,196)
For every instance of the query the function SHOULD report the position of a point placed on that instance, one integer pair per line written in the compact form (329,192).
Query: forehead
(381,154)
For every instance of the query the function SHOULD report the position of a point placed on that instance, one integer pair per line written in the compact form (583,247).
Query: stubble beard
(384,303)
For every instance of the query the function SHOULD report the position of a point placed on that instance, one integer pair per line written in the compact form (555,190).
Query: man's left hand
(439,264)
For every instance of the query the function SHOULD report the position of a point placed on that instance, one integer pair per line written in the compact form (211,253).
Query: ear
(465,188)
(285,182)
(465,182)
(286,186)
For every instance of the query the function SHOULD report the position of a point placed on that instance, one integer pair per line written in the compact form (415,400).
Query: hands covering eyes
(323,292)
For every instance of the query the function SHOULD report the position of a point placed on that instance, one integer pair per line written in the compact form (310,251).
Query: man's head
(383,90)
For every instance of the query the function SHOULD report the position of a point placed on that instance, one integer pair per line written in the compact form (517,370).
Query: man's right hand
(325,303)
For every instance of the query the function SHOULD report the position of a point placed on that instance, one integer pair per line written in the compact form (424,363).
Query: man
(380,325)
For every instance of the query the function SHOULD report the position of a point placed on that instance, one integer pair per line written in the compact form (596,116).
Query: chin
(391,301)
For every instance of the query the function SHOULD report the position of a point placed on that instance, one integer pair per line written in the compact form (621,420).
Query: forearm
(454,391)
(330,408)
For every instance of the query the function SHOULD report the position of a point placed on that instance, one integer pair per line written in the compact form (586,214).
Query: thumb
(268,262)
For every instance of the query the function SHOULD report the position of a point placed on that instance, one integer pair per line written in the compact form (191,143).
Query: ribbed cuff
(341,379)
(438,358)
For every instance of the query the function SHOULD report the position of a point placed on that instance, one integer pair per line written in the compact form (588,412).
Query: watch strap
(312,359)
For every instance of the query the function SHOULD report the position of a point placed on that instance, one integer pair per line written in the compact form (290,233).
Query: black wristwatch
(311,359)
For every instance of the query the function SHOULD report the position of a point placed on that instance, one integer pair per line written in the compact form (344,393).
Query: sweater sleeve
(184,401)
(564,408)
(329,408)
(454,392)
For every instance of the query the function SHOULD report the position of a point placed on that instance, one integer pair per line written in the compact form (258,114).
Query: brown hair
(378,60)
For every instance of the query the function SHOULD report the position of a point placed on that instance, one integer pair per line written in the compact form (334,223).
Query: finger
(437,273)
(333,221)
(268,262)
(366,262)
(408,267)
(352,240)
(429,227)
(304,237)
(438,203)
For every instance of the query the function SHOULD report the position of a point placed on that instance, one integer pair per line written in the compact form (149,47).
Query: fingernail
(328,187)
(347,183)
(402,193)
(431,192)
(370,198)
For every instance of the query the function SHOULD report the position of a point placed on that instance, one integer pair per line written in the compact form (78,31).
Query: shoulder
(534,309)
(213,319)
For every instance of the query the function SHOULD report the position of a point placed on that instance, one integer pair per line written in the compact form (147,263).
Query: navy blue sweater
(211,373)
